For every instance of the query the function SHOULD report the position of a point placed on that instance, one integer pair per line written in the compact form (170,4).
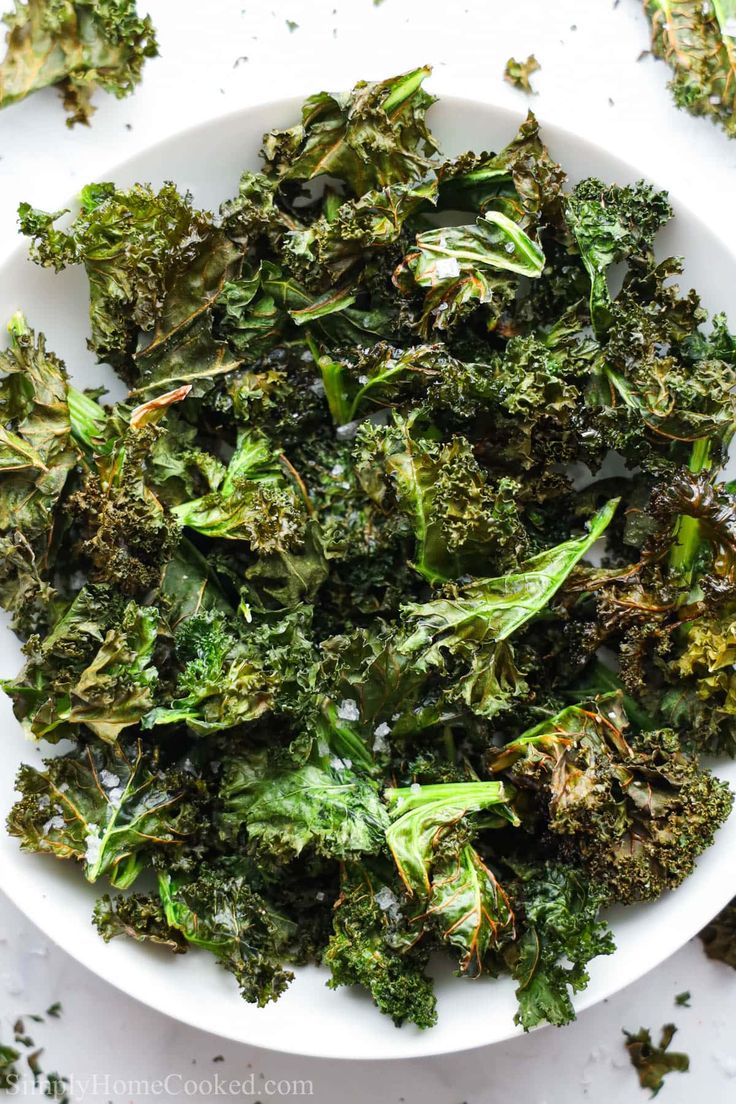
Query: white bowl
(311,1019)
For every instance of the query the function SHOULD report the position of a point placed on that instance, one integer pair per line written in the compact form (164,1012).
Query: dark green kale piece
(560,931)
(365,949)
(719,936)
(653,1063)
(697,42)
(77,45)
(636,817)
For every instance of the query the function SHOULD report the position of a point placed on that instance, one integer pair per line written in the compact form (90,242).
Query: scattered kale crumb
(518,73)
(653,1063)
(56,1088)
(683,999)
(34,1064)
(219,1058)
(292,26)
(54,1010)
(53,1085)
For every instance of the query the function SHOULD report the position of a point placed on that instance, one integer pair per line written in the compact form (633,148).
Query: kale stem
(687,531)
(405,88)
(333,379)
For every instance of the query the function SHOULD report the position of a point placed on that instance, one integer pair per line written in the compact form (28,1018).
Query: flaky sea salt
(386,898)
(340,764)
(55,823)
(380,741)
(93,845)
(348,710)
(109,780)
(389,903)
(415,788)
(447,268)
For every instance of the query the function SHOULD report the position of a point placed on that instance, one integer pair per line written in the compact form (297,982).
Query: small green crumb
(518,73)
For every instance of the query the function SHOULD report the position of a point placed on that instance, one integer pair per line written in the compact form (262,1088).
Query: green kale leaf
(77,45)
(697,42)
(373,136)
(559,933)
(111,809)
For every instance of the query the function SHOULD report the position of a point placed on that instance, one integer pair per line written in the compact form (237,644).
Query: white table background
(590,82)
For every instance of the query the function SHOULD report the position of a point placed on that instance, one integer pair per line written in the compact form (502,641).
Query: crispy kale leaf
(77,45)
(637,817)
(610,224)
(421,815)
(459,520)
(254,502)
(373,136)
(470,909)
(9,1072)
(719,936)
(557,908)
(37,458)
(697,42)
(223,682)
(219,911)
(132,244)
(361,951)
(472,625)
(95,668)
(141,917)
(328,809)
(109,808)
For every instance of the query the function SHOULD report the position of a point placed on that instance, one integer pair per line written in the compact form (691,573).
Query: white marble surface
(592,83)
